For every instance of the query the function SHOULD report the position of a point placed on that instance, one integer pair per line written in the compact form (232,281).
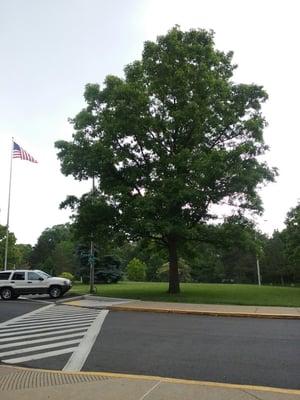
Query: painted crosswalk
(51,331)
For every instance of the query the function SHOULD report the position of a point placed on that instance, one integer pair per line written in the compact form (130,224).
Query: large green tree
(55,250)
(275,264)
(23,253)
(291,244)
(12,256)
(173,137)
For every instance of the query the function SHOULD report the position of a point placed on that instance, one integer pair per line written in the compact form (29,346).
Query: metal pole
(257,262)
(258,271)
(8,208)
(92,259)
(92,268)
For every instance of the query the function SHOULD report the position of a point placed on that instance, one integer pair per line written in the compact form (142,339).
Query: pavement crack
(151,390)
(252,395)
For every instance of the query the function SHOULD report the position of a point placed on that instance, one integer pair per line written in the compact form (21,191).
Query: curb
(92,307)
(68,299)
(110,375)
(93,297)
(207,313)
(89,307)
(237,314)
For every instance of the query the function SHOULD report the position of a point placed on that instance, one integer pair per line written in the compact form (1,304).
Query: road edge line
(79,356)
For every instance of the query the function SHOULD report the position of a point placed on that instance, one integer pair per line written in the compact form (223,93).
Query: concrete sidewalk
(26,384)
(186,308)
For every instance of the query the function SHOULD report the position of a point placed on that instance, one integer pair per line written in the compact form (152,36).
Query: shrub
(67,275)
(136,270)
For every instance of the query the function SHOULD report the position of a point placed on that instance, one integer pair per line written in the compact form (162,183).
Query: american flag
(18,152)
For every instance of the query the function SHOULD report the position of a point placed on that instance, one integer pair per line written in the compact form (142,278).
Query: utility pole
(257,262)
(258,271)
(92,268)
(92,257)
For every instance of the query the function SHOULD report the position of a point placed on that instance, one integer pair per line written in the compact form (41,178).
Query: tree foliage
(23,254)
(136,270)
(67,275)
(12,254)
(275,264)
(55,250)
(183,269)
(291,244)
(172,138)
(107,268)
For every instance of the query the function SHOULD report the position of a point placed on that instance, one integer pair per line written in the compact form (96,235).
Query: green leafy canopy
(173,137)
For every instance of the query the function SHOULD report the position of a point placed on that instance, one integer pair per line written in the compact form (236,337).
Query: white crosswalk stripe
(39,356)
(42,347)
(29,324)
(48,332)
(50,322)
(40,340)
(56,319)
(13,338)
(28,330)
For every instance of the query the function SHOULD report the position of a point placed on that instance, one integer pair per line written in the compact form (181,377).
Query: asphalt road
(231,350)
(14,308)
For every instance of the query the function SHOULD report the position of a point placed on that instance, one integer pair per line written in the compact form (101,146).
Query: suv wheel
(55,292)
(6,293)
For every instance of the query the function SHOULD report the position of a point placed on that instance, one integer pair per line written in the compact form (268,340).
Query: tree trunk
(174,286)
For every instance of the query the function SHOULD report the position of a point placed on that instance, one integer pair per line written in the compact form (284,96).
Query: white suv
(16,282)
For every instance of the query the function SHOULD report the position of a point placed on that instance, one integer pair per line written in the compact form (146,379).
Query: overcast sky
(50,49)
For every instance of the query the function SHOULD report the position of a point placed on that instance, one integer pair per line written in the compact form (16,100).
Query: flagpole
(8,208)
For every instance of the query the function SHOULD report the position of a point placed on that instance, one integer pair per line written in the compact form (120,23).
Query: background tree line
(227,256)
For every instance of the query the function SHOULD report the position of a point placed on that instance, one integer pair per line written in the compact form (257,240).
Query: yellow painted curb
(209,313)
(74,303)
(167,380)
(193,312)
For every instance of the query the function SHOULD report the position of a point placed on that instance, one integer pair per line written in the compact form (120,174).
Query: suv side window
(4,276)
(18,276)
(33,276)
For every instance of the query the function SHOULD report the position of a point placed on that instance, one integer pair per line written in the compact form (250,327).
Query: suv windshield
(43,274)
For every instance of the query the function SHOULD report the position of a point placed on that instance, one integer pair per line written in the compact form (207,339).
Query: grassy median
(200,293)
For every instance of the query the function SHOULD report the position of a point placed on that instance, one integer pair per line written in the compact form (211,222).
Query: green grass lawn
(200,293)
